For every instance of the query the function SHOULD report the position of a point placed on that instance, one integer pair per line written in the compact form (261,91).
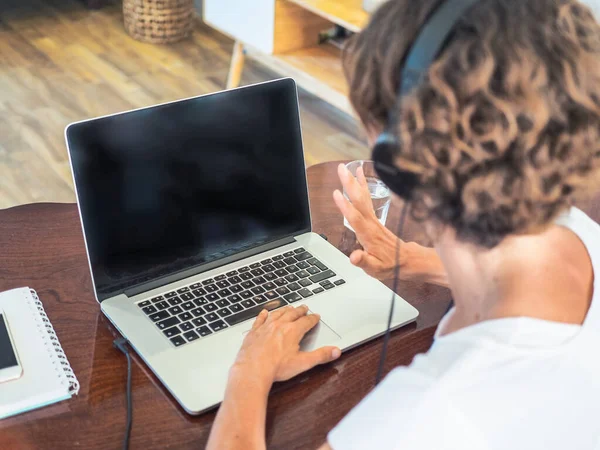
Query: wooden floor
(60,62)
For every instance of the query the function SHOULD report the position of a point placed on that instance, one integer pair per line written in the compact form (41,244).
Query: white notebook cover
(47,376)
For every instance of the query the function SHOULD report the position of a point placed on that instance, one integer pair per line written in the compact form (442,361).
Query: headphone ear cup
(400,182)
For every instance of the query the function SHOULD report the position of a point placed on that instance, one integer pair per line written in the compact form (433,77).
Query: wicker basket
(158,21)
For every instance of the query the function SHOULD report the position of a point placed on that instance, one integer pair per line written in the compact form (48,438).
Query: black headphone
(419,56)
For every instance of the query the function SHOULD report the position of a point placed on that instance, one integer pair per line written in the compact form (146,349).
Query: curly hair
(504,132)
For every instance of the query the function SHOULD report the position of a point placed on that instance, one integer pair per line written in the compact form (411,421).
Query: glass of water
(380,194)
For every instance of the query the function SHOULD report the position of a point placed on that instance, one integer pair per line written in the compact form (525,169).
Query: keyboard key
(211,288)
(236,288)
(303,256)
(186,296)
(316,262)
(303,274)
(144,303)
(268,268)
(288,254)
(162,305)
(258,290)
(271,295)
(157,299)
(199,321)
(167,323)
(313,270)
(149,309)
(224,312)
(269,286)
(188,305)
(223,284)
(223,303)
(212,297)
(246,294)
(292,269)
(257,272)
(198,312)
(277,258)
(270,276)
(248,303)
(220,277)
(171,294)
(294,286)
(305,282)
(280,282)
(235,279)
(259,280)
(177,341)
(329,286)
(191,336)
(182,290)
(289,261)
(187,326)
(305,292)
(291,278)
(200,301)
(266,261)
(259,299)
(236,308)
(185,316)
(170,332)
(325,283)
(279,264)
(209,281)
(322,276)
(339,282)
(175,310)
(281,273)
(158,316)
(203,331)
(211,317)
(244,269)
(255,265)
(253,312)
(247,284)
(293,297)
(175,301)
(224,293)
(199,292)
(196,286)
(232,273)
(303,265)
(218,325)
(299,250)
(282,291)
(246,276)
(318,290)
(234,298)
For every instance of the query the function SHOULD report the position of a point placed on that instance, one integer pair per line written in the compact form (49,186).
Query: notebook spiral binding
(62,358)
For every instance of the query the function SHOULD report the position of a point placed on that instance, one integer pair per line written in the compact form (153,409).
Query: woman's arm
(270,352)
(377,257)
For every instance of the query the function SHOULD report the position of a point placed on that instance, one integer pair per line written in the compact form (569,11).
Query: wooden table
(41,246)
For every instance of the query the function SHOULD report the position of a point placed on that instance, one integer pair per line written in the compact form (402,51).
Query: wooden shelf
(317,70)
(347,13)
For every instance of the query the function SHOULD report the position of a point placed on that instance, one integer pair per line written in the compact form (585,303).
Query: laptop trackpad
(321,335)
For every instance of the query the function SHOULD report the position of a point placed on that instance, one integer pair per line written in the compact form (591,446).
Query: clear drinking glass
(380,194)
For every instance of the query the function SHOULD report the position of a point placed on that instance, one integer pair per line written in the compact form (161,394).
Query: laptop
(196,216)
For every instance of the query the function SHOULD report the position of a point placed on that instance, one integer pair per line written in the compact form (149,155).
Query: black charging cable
(121,344)
(394,288)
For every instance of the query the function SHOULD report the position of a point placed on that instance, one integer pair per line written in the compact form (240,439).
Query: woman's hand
(271,350)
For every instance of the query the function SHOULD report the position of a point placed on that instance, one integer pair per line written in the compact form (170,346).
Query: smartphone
(10,368)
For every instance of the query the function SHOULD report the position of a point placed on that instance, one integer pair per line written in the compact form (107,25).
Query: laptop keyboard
(211,305)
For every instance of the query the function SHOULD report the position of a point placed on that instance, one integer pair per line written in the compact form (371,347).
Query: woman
(505,135)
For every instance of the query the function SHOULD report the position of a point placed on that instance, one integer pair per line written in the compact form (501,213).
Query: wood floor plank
(60,62)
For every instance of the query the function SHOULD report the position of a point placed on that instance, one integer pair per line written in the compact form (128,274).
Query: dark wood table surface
(41,246)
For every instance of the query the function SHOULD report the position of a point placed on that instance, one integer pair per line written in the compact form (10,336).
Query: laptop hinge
(205,267)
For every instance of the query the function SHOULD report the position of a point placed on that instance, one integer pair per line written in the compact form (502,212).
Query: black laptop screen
(176,186)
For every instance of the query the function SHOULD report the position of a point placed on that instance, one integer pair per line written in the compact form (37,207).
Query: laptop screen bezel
(284,83)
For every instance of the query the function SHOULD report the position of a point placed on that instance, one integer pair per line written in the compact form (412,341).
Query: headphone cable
(386,339)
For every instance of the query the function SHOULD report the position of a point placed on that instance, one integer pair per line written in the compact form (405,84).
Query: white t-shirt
(514,383)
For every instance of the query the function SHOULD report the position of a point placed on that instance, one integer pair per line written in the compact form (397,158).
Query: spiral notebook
(47,376)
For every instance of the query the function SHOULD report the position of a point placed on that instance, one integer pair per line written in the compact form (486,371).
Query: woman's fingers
(306,323)
(260,319)
(307,360)
(291,314)
(357,190)
(369,263)
(348,210)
